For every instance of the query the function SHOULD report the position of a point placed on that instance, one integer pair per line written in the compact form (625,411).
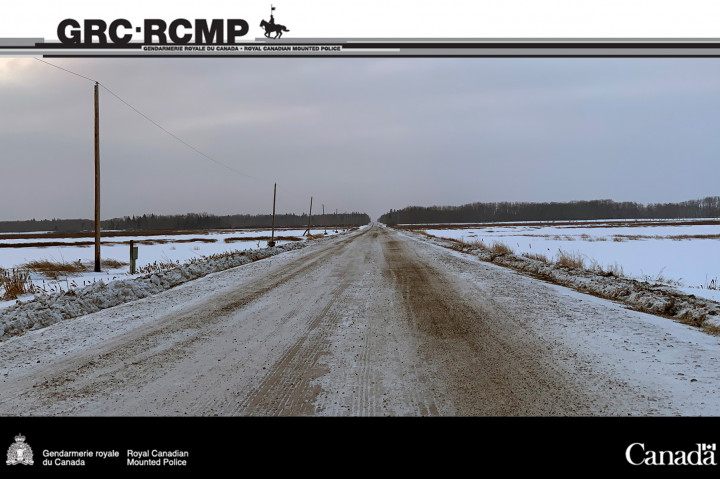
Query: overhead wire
(156,124)
(151,120)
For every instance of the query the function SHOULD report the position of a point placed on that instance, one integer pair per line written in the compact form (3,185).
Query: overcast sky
(356,134)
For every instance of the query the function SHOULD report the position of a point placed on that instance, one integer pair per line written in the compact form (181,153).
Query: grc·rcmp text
(155,31)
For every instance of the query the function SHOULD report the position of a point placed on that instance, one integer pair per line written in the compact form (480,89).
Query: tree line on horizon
(189,221)
(573,210)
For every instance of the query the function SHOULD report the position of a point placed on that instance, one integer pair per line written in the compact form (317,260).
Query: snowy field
(681,253)
(17,251)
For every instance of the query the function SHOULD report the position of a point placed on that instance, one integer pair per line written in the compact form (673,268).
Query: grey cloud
(357,134)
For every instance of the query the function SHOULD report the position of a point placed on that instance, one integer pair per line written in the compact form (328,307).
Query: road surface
(372,323)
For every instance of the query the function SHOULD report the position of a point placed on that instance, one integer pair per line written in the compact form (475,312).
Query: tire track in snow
(288,389)
(132,360)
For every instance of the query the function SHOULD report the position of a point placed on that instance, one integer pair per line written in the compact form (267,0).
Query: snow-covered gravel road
(369,323)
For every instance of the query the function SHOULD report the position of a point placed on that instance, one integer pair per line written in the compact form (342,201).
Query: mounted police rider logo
(271,27)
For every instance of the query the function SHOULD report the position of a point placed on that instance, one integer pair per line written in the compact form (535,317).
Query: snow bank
(44,310)
(640,295)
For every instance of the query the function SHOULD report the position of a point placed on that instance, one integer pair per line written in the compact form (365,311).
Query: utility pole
(97,180)
(271,243)
(307,231)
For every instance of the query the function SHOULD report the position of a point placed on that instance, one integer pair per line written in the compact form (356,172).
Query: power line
(175,136)
(152,121)
(156,124)
(66,70)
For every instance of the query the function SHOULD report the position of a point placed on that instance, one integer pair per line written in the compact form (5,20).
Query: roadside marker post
(133,256)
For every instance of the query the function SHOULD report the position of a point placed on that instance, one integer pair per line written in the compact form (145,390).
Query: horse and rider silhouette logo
(272,27)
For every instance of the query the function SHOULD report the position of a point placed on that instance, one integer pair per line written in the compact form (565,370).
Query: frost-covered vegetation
(645,295)
(56,262)
(44,309)
(680,253)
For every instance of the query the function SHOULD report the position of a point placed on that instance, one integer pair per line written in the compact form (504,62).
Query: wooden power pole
(97,180)
(307,231)
(271,243)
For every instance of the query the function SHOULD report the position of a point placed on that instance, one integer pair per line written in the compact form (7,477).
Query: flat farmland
(59,261)
(680,253)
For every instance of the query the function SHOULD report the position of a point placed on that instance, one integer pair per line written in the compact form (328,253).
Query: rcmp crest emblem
(20,452)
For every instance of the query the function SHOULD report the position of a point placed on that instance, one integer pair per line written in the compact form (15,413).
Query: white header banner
(326,19)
